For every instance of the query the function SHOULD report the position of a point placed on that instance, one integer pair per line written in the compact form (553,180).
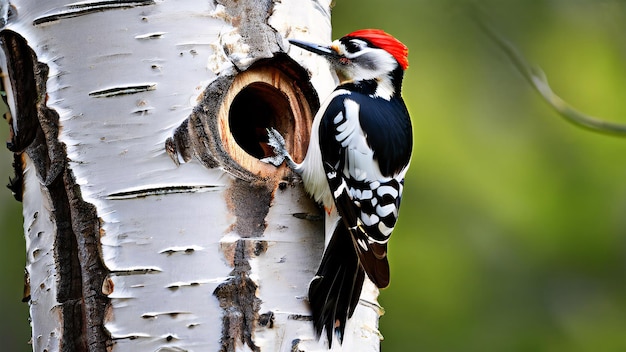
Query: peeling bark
(76,245)
(255,39)
(237,297)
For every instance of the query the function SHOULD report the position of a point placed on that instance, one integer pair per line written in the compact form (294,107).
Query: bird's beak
(315,48)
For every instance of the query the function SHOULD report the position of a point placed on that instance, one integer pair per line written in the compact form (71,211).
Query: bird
(357,158)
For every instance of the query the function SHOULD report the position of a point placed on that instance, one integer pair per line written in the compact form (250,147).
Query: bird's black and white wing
(366,153)
(365,172)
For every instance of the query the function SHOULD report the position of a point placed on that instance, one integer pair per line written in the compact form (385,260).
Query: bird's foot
(277,142)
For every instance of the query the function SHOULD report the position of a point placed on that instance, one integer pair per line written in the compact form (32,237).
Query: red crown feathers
(386,42)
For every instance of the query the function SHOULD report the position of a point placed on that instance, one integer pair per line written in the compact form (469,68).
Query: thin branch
(538,80)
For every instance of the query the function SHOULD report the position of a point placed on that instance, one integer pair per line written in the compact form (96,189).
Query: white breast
(312,167)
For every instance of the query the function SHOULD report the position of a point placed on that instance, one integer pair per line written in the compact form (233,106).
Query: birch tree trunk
(150,223)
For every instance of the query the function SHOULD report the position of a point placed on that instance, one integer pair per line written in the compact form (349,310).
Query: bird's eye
(352,47)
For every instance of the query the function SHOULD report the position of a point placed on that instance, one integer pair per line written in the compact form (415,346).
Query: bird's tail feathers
(334,292)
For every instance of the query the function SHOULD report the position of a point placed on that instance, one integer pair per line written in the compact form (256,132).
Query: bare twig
(538,80)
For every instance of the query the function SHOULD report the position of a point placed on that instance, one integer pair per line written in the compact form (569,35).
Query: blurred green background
(512,234)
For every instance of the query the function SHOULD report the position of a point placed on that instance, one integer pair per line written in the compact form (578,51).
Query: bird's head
(364,55)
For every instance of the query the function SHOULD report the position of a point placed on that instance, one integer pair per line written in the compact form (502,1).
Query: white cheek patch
(372,62)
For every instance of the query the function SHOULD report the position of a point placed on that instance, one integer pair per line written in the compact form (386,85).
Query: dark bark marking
(7,12)
(203,122)
(16,183)
(308,216)
(179,146)
(81,272)
(70,288)
(158,191)
(300,317)
(250,18)
(295,345)
(267,319)
(250,203)
(87,228)
(169,252)
(55,160)
(26,294)
(135,272)
(204,129)
(123,90)
(20,60)
(238,300)
(86,8)
(198,135)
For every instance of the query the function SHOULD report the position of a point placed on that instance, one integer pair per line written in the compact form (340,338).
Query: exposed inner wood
(260,98)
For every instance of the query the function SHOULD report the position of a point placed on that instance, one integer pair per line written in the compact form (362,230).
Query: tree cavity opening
(255,108)
(260,98)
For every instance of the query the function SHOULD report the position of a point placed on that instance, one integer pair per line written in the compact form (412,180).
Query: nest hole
(260,98)
(254,109)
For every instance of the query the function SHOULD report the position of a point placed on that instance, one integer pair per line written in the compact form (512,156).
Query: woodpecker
(357,158)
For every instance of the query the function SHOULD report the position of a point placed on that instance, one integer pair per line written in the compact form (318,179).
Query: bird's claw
(275,160)
(277,142)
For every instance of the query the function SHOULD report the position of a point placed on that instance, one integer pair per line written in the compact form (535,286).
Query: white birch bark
(150,225)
